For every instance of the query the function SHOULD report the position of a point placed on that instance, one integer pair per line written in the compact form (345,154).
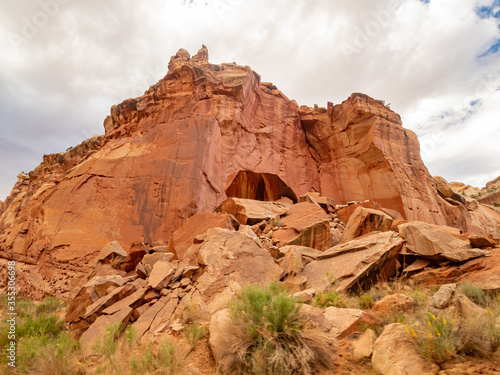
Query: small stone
(444,296)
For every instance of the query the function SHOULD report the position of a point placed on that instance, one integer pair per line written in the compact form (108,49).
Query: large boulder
(96,332)
(305,224)
(230,257)
(423,239)
(394,353)
(365,220)
(222,343)
(483,272)
(356,264)
(197,224)
(250,212)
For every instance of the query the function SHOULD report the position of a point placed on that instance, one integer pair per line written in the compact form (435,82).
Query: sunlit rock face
(204,133)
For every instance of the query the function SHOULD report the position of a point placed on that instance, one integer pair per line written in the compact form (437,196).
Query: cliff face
(365,153)
(203,133)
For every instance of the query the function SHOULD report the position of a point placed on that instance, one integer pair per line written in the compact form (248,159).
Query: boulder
(483,272)
(233,257)
(90,292)
(149,260)
(292,263)
(355,265)
(363,345)
(304,224)
(221,344)
(394,353)
(394,302)
(423,239)
(482,241)
(196,225)
(142,325)
(164,316)
(160,275)
(472,326)
(442,187)
(133,300)
(95,333)
(363,221)
(135,254)
(325,203)
(95,309)
(344,212)
(344,322)
(112,253)
(444,296)
(251,212)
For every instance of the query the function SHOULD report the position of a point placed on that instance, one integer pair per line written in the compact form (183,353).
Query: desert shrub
(272,337)
(49,305)
(109,344)
(329,299)
(167,361)
(474,293)
(48,355)
(365,302)
(435,338)
(194,333)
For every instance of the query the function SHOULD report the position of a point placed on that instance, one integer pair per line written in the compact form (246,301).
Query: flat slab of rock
(356,264)
(394,353)
(394,302)
(128,301)
(196,225)
(365,220)
(250,212)
(149,260)
(305,224)
(483,272)
(160,275)
(434,243)
(141,326)
(95,333)
(344,322)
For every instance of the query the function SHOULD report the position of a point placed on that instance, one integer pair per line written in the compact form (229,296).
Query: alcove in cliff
(258,186)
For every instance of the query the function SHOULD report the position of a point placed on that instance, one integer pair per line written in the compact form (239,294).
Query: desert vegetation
(271,335)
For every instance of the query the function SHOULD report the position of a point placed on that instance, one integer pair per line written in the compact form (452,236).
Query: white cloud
(56,89)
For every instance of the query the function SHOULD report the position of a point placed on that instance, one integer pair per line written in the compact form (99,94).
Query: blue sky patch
(486,11)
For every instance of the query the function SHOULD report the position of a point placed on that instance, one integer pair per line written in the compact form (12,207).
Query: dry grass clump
(272,337)
(435,338)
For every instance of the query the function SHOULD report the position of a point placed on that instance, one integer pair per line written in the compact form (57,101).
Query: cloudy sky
(63,63)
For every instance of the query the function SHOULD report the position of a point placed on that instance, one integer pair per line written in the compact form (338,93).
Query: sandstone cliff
(202,133)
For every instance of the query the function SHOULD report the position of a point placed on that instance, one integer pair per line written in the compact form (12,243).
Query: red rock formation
(363,152)
(204,132)
(165,156)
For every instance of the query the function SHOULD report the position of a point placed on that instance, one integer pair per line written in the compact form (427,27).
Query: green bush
(48,355)
(329,299)
(474,293)
(272,336)
(365,302)
(167,361)
(49,305)
(194,333)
